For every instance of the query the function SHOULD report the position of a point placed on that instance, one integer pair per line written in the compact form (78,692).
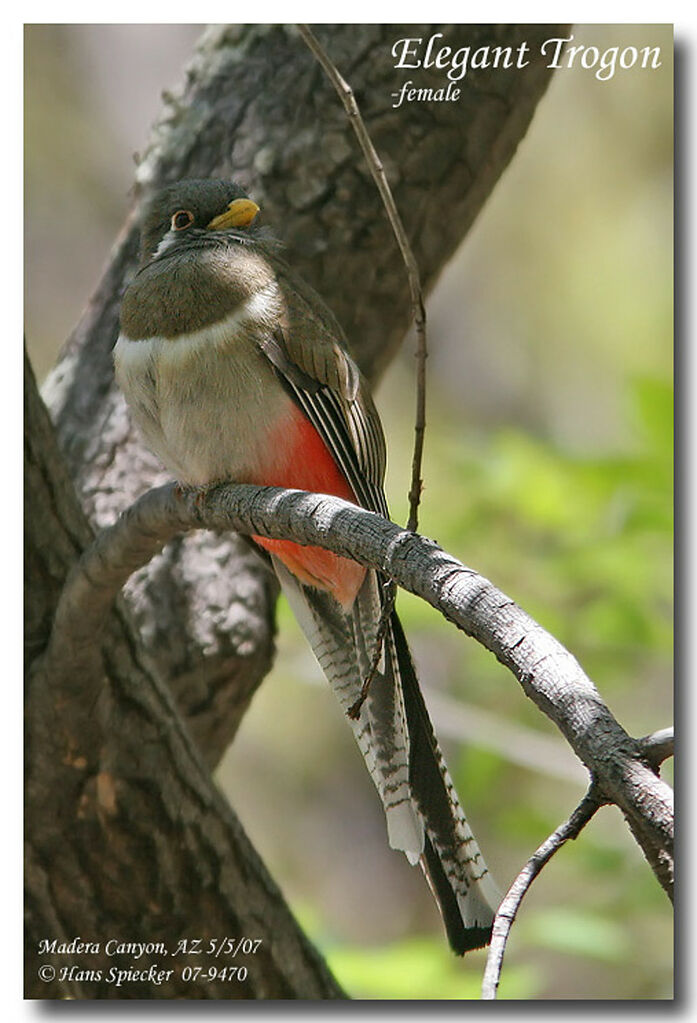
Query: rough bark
(256,106)
(127,836)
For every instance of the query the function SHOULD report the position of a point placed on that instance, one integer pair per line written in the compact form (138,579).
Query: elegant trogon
(235,370)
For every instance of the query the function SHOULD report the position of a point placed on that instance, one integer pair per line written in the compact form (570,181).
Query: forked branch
(619,765)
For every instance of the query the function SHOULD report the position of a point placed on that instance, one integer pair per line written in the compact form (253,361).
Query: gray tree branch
(658,746)
(620,770)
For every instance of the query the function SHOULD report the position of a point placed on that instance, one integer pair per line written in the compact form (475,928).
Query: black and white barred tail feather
(395,736)
(452,861)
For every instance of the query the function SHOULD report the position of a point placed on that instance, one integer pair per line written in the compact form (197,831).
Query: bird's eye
(182,219)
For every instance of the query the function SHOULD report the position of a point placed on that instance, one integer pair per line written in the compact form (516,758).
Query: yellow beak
(240,213)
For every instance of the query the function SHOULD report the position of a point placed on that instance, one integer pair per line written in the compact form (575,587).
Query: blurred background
(548,468)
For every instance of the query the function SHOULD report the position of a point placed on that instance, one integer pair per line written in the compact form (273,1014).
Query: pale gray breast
(205,401)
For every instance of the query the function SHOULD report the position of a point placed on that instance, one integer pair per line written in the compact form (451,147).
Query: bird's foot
(184,491)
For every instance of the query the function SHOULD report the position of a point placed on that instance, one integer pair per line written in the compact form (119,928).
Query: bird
(235,370)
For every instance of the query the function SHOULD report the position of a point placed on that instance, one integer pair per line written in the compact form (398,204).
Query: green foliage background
(548,469)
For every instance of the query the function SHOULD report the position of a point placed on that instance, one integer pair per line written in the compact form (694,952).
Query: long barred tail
(395,736)
(452,862)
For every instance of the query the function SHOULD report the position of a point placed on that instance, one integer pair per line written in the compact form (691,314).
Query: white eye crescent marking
(182,219)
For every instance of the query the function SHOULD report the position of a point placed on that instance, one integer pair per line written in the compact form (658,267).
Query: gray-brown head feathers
(204,199)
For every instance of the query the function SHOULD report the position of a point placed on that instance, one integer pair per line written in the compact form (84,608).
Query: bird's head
(193,213)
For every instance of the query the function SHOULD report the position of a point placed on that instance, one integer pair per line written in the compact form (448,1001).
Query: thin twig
(377,170)
(385,615)
(516,893)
